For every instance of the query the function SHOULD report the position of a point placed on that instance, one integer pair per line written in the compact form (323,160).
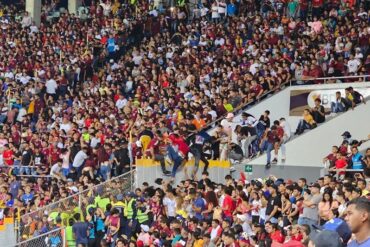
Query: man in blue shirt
(80,231)
(28,195)
(199,206)
(231,8)
(358,219)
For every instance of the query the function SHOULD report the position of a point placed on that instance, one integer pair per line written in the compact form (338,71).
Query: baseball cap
(119,197)
(326,239)
(241,217)
(316,185)
(145,228)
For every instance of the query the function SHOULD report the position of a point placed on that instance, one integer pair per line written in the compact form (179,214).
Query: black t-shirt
(122,156)
(272,202)
(318,117)
(26,157)
(38,159)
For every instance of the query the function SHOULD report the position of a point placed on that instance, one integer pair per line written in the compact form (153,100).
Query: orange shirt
(199,123)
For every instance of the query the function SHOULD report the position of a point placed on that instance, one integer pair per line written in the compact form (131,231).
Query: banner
(301,99)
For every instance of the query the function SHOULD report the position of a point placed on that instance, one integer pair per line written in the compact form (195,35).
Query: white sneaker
(232,169)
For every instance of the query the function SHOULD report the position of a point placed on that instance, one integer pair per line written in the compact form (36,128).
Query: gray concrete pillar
(73,6)
(33,7)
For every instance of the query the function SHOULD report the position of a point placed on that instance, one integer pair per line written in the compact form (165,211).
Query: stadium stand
(85,95)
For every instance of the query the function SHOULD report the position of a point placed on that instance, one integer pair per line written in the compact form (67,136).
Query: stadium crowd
(79,92)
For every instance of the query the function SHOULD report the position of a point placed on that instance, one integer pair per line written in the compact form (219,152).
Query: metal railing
(66,208)
(309,80)
(53,238)
(337,171)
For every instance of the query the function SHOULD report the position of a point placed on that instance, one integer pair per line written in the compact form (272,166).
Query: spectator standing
(311,201)
(273,205)
(80,231)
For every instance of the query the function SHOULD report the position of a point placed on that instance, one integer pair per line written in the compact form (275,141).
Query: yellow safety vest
(69,236)
(133,2)
(128,210)
(141,216)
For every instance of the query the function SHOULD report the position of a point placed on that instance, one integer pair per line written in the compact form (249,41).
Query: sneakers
(274,161)
(232,169)
(283,160)
(167,173)
(268,165)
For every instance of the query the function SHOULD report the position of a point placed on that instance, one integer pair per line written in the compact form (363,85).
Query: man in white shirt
(51,87)
(79,160)
(121,102)
(65,125)
(353,64)
(219,41)
(56,170)
(26,20)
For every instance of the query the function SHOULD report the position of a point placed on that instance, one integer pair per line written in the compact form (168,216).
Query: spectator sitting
(340,105)
(306,123)
(318,112)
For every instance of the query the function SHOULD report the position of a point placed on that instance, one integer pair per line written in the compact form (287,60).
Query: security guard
(69,233)
(142,213)
(130,214)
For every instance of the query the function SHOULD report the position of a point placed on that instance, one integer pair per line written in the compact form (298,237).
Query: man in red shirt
(228,205)
(8,155)
(230,240)
(179,144)
(275,234)
(156,149)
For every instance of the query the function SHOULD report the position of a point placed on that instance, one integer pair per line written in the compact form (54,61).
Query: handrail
(325,79)
(337,171)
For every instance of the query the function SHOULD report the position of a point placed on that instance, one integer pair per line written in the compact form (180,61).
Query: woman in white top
(221,9)
(256,206)
(214,10)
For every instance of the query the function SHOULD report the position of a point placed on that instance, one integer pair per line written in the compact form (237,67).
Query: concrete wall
(279,104)
(310,148)
(311,173)
(148,171)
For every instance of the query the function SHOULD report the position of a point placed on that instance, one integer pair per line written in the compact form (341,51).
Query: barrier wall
(148,170)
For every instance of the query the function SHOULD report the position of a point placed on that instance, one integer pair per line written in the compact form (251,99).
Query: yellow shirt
(365,192)
(198,243)
(182,213)
(308,118)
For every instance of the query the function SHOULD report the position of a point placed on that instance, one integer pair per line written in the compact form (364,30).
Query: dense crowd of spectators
(79,91)
(261,212)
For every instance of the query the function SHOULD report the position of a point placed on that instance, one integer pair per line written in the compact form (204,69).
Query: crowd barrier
(53,238)
(99,195)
